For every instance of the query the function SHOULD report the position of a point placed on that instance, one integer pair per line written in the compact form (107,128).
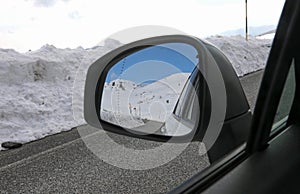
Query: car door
(269,161)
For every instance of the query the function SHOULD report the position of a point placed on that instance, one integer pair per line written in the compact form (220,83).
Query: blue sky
(29,24)
(154,63)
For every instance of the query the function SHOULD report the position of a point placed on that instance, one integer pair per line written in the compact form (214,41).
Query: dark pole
(246,20)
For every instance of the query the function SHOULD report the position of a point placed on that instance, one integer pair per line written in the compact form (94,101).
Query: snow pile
(36,90)
(37,87)
(245,56)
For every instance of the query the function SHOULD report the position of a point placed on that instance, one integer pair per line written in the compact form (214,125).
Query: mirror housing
(235,124)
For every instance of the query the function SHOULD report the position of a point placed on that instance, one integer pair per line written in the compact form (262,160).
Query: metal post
(246,30)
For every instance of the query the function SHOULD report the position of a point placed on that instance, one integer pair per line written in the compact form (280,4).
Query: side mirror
(162,89)
(142,88)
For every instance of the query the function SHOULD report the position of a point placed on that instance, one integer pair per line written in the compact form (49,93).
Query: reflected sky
(154,63)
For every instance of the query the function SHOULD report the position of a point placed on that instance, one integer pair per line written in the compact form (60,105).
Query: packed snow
(42,91)
(36,90)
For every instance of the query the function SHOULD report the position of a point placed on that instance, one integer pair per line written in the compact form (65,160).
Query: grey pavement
(73,168)
(63,164)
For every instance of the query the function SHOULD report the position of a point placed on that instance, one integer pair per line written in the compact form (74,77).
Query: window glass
(142,89)
(286,99)
(186,107)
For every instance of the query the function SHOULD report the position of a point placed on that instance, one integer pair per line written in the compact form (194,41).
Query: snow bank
(245,56)
(36,90)
(37,87)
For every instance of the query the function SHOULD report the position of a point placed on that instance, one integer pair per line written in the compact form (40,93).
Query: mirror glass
(153,90)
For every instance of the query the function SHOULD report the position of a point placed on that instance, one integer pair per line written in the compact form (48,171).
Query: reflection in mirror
(153,90)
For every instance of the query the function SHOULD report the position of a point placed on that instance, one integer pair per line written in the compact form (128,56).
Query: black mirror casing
(95,82)
(237,105)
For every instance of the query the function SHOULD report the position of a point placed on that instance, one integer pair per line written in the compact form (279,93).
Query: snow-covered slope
(126,103)
(39,88)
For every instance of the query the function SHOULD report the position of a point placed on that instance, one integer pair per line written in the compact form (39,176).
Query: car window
(286,100)
(187,108)
(42,88)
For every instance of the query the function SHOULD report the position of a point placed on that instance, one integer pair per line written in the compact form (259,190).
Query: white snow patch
(267,36)
(37,87)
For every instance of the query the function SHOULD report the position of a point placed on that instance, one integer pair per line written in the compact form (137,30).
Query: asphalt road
(63,164)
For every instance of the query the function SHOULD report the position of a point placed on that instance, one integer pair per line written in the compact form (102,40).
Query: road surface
(63,164)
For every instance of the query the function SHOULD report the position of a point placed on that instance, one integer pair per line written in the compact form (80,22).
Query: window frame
(282,124)
(275,74)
